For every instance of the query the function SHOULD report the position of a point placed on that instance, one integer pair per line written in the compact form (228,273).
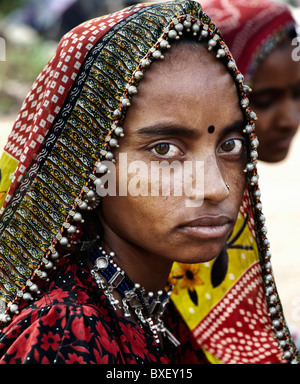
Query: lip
(207,227)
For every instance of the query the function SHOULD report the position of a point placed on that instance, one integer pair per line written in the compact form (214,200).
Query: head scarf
(251,29)
(71,120)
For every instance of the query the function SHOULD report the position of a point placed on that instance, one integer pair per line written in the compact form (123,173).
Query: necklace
(148,308)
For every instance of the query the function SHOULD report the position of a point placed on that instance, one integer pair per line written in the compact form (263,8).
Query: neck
(149,270)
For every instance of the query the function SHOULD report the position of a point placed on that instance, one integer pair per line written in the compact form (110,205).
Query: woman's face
(186,111)
(276,100)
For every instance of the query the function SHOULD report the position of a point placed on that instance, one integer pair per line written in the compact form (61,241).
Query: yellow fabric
(9,164)
(208,296)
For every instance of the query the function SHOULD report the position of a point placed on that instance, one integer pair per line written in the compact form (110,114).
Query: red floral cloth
(72,322)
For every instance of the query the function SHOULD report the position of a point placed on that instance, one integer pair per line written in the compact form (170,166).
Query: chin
(201,255)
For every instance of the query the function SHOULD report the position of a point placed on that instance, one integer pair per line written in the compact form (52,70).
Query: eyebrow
(161,129)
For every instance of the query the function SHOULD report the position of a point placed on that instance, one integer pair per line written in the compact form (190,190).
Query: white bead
(249,128)
(63,241)
(187,24)
(117,113)
(14,308)
(157,54)
(231,64)
(145,63)
(113,142)
(164,44)
(196,28)
(252,115)
(34,288)
(77,216)
(244,103)
(138,75)
(220,53)
(125,103)
(132,90)
(179,27)
(109,156)
(204,34)
(27,296)
(119,131)
(172,34)
(239,77)
(102,168)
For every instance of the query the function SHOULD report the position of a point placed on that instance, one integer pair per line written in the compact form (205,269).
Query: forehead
(278,68)
(188,84)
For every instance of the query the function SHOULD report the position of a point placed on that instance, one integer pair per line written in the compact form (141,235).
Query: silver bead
(63,241)
(195,28)
(27,296)
(211,44)
(117,113)
(257,194)
(204,34)
(102,168)
(254,155)
(254,180)
(254,143)
(239,78)
(119,131)
(132,90)
(179,27)
(164,44)
(249,129)
(157,54)
(264,230)
(77,216)
(244,103)
(55,254)
(287,355)
(113,142)
(231,64)
(14,308)
(109,156)
(34,288)
(126,103)
(138,75)
(145,63)
(172,34)
(187,25)
(220,53)
(272,311)
(252,115)
(276,323)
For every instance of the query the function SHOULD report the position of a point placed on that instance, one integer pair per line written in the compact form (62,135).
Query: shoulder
(63,325)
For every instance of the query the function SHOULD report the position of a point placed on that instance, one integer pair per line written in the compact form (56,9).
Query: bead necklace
(147,308)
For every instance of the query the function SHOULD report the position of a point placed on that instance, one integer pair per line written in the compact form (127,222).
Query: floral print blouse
(72,322)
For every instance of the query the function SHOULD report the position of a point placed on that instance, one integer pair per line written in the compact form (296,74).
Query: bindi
(211,129)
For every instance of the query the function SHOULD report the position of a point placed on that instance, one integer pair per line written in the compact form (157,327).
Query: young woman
(262,38)
(131,158)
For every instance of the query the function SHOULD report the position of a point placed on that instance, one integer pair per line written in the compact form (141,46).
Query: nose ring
(227,186)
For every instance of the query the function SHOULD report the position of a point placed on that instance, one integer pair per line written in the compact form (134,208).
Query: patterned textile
(72,322)
(59,135)
(251,28)
(230,289)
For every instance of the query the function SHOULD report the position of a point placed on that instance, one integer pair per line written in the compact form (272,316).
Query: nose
(214,188)
(288,114)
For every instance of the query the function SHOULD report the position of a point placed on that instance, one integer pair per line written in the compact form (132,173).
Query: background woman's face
(276,100)
(186,110)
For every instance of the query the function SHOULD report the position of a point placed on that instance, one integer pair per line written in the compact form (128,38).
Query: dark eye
(162,149)
(232,146)
(166,150)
